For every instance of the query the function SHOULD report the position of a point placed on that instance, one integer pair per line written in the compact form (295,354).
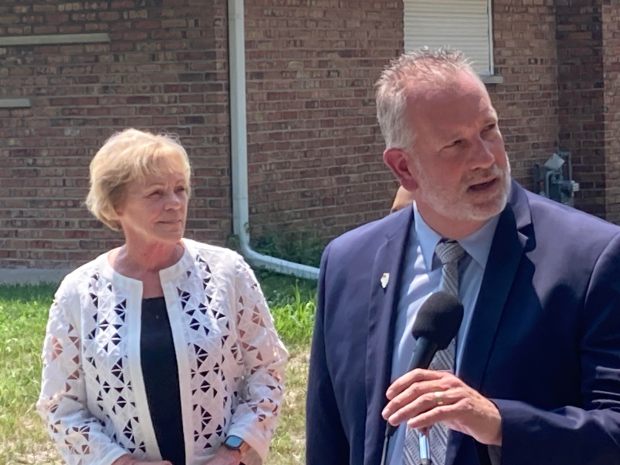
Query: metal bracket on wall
(555,178)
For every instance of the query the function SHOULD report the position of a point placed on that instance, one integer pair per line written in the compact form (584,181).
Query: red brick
(314,147)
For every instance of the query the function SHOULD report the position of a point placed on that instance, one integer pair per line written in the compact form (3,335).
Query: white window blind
(461,24)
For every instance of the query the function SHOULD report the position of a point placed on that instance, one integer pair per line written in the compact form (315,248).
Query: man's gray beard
(460,212)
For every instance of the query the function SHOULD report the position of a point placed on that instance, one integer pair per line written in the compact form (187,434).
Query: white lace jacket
(230,360)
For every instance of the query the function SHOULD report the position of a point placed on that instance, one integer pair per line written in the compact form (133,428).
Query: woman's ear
(398,161)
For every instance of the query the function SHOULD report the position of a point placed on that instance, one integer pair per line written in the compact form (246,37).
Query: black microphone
(436,324)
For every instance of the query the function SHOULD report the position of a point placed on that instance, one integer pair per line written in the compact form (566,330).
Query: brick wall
(527,100)
(611,65)
(164,69)
(580,84)
(314,146)
(315,151)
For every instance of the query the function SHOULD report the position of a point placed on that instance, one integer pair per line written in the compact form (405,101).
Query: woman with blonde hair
(161,351)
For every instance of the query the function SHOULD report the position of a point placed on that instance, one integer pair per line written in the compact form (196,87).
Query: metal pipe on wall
(239,152)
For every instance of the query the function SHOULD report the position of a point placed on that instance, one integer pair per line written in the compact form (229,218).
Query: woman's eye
(155,194)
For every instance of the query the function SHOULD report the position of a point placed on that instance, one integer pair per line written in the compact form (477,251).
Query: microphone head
(438,319)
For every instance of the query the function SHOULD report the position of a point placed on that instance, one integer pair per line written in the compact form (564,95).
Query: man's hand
(425,397)
(129,460)
(225,456)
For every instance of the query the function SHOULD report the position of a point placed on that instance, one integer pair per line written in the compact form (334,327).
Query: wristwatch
(233,442)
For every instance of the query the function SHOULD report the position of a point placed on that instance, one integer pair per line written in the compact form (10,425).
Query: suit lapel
(384,284)
(506,251)
(504,258)
(509,242)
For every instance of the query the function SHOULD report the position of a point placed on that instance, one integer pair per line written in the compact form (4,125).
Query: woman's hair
(127,157)
(397,81)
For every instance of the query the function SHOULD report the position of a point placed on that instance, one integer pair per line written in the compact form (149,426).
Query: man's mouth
(482,186)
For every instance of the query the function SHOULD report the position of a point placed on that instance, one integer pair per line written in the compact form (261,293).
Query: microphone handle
(384,451)
(425,448)
(423,353)
(425,350)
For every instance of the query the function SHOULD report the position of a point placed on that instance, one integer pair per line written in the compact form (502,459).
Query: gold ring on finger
(438,397)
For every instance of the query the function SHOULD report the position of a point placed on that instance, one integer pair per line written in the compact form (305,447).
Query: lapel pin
(385,279)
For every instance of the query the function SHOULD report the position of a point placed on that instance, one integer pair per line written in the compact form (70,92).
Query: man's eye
(454,143)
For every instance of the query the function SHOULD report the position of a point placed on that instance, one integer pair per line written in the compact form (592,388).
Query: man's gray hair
(421,66)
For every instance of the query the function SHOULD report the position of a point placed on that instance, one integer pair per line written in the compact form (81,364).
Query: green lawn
(23,314)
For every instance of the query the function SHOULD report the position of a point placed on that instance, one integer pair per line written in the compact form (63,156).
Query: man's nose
(482,154)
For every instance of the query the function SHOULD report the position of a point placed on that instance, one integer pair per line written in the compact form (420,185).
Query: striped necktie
(449,253)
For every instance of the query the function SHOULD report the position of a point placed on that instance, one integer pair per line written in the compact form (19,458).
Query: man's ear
(398,161)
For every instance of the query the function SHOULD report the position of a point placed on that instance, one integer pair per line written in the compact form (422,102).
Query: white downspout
(239,146)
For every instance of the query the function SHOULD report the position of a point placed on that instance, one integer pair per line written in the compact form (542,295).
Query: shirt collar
(477,244)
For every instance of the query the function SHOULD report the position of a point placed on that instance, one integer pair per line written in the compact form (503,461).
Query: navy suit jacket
(544,343)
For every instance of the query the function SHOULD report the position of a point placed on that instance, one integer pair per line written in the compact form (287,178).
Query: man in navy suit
(537,360)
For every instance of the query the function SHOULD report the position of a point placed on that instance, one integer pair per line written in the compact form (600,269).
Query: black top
(161,379)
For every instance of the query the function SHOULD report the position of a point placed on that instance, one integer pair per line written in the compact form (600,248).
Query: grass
(288,443)
(293,308)
(292,304)
(23,315)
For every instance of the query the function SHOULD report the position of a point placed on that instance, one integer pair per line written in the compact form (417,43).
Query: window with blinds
(462,24)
